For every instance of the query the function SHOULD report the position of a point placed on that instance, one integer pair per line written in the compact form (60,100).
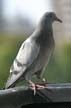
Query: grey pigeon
(34,53)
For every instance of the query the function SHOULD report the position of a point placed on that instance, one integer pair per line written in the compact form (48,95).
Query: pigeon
(34,53)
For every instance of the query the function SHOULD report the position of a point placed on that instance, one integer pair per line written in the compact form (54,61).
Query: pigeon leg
(43,80)
(33,86)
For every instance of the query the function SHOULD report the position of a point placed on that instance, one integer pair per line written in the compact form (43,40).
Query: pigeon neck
(46,30)
(46,26)
(44,34)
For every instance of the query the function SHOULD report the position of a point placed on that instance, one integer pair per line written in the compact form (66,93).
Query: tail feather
(10,82)
(13,78)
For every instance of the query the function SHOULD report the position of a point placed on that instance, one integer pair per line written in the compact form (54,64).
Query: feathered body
(34,53)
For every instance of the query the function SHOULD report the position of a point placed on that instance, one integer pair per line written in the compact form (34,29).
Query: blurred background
(18,19)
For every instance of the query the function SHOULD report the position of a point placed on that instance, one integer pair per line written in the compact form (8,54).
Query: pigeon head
(51,17)
(47,19)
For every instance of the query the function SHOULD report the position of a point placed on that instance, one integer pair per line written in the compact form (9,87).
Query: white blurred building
(63,9)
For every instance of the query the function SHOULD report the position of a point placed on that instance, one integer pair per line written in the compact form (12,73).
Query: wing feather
(27,54)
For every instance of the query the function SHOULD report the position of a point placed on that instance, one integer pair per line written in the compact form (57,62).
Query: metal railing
(21,96)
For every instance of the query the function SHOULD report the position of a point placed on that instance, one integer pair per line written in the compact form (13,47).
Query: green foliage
(58,69)
(9,46)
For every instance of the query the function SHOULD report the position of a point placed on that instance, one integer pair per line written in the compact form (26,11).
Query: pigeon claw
(35,86)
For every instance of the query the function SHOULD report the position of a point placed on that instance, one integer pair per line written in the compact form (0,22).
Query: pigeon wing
(27,54)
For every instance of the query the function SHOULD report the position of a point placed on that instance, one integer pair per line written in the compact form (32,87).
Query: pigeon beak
(57,19)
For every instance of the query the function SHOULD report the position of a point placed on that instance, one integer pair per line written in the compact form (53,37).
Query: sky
(34,9)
